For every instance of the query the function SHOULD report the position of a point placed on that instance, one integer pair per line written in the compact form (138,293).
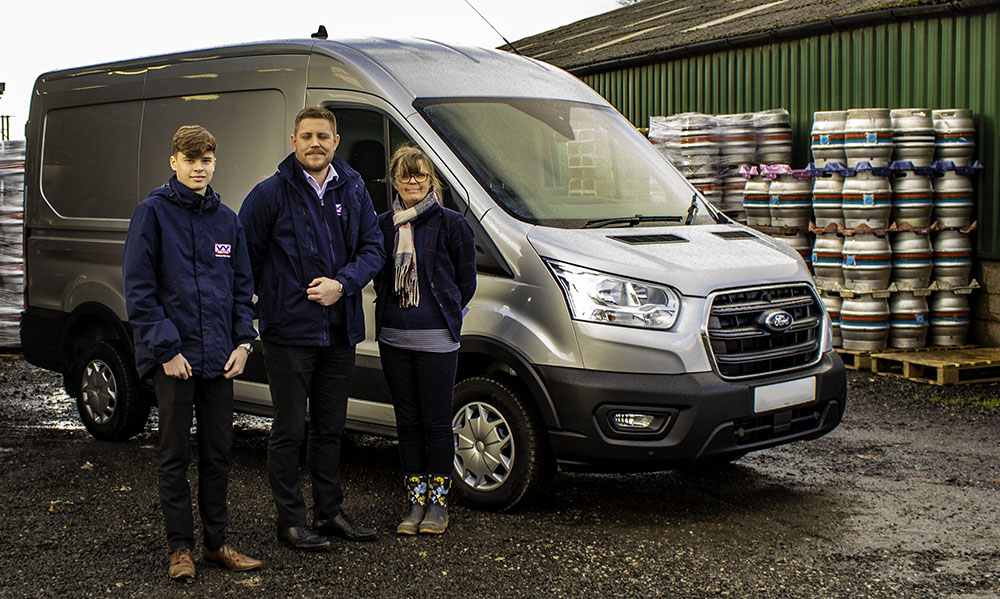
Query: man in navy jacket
(314,244)
(188,292)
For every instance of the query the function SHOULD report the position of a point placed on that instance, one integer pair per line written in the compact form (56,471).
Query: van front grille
(750,333)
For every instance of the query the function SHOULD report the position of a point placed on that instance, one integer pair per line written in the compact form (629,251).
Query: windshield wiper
(631,221)
(692,209)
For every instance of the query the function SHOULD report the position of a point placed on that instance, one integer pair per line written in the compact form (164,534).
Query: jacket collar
(291,171)
(180,194)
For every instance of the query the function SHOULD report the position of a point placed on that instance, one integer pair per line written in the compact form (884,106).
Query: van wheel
(501,458)
(108,398)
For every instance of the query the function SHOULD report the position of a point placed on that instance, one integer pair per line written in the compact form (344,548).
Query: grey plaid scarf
(405,260)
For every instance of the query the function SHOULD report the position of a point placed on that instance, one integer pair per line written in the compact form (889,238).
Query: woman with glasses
(423,289)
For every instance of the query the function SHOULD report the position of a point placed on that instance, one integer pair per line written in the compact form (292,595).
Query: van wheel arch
(87,325)
(482,356)
(97,344)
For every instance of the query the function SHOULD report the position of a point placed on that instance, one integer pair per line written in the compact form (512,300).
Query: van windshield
(563,164)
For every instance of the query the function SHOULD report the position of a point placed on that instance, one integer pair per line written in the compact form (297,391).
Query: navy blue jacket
(285,257)
(447,256)
(188,287)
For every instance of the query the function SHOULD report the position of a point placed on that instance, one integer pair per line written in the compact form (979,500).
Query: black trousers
(422,385)
(318,378)
(211,401)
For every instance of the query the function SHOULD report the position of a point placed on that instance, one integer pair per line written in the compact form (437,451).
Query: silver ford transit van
(620,322)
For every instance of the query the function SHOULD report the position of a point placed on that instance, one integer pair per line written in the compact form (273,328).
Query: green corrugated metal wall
(951,62)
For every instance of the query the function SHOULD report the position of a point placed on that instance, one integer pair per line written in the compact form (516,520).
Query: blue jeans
(319,378)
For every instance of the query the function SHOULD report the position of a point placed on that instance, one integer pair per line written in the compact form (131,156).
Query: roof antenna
(494,28)
(320,33)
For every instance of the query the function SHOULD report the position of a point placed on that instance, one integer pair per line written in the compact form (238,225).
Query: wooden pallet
(940,365)
(856,359)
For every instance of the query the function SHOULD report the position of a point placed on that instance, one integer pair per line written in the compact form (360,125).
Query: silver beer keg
(827,199)
(912,199)
(912,260)
(828,137)
(949,319)
(908,320)
(867,200)
(864,323)
(867,262)
(953,199)
(868,136)
(952,258)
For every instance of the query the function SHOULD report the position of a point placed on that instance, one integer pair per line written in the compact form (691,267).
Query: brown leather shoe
(181,565)
(227,557)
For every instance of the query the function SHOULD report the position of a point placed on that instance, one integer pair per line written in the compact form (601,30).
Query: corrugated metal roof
(652,27)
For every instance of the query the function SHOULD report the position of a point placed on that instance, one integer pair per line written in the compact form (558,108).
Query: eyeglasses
(418,177)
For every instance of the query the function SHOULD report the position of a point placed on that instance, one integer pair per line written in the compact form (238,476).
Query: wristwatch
(248,347)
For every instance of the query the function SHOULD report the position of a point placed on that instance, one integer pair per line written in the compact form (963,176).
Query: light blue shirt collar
(320,190)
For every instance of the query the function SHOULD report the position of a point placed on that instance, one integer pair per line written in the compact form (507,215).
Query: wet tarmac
(903,500)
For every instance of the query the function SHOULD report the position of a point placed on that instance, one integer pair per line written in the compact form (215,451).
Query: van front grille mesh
(743,344)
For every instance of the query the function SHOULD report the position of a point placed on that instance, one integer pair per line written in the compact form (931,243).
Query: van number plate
(782,395)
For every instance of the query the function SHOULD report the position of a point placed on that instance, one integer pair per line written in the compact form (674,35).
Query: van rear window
(89,160)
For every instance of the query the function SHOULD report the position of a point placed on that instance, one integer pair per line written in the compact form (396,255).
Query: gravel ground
(901,501)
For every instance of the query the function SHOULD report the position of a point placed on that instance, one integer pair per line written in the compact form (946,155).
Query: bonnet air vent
(735,234)
(647,239)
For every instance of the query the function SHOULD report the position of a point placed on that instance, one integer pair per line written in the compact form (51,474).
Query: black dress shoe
(303,538)
(342,526)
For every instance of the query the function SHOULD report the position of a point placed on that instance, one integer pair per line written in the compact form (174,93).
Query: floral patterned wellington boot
(436,518)
(416,493)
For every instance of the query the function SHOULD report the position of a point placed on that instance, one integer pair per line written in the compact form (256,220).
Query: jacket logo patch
(340,209)
(223,249)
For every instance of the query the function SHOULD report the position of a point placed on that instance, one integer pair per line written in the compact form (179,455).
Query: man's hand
(237,360)
(178,367)
(325,291)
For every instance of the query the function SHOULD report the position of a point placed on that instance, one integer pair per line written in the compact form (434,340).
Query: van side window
(248,151)
(89,156)
(367,140)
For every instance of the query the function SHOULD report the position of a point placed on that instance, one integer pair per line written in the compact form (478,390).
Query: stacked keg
(905,212)
(790,207)
(955,167)
(912,208)
(774,136)
(739,147)
(715,153)
(691,142)
(11,261)
(828,137)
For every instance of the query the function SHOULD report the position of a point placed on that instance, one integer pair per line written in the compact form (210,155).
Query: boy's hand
(177,367)
(237,360)
(325,291)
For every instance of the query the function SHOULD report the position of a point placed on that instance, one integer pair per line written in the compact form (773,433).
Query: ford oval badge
(777,320)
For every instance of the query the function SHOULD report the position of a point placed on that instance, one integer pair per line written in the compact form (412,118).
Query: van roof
(419,68)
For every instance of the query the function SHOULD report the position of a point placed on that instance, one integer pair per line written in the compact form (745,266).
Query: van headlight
(598,297)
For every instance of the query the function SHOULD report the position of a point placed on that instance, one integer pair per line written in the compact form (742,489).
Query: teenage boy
(314,244)
(188,291)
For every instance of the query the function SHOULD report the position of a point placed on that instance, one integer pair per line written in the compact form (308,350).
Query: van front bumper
(697,416)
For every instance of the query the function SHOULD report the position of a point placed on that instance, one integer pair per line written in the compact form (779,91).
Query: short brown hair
(406,161)
(193,141)
(316,112)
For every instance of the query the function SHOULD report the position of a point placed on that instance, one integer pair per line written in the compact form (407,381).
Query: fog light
(632,421)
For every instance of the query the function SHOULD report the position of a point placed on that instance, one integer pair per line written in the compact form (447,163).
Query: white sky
(43,35)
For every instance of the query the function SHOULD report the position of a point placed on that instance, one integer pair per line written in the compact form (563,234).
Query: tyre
(109,399)
(501,456)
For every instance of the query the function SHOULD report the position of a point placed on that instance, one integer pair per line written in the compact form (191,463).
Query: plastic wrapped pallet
(11,258)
